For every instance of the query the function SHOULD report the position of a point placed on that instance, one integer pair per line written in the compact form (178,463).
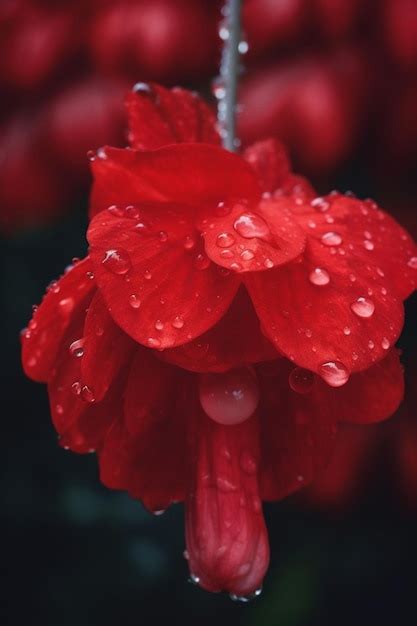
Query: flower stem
(229,68)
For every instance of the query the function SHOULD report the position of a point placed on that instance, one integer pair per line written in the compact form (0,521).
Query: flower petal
(226,536)
(270,161)
(254,237)
(157,289)
(65,300)
(191,174)
(234,341)
(145,453)
(372,395)
(106,349)
(160,116)
(342,303)
(297,429)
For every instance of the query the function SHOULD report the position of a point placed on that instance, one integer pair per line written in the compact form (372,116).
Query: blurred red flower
(225,320)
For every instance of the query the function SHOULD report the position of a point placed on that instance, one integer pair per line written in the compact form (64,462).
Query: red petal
(187,173)
(65,300)
(254,237)
(145,453)
(270,161)
(160,116)
(297,430)
(157,290)
(373,395)
(81,421)
(234,341)
(342,303)
(106,349)
(226,536)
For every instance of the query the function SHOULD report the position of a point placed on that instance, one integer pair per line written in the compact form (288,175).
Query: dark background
(77,554)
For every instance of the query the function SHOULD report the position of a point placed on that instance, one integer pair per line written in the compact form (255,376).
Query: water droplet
(66,305)
(202,262)
(320,204)
(227,254)
(334,373)
(247,255)
(368,245)
(301,380)
(59,409)
(243,47)
(229,398)
(77,348)
(331,239)
(134,301)
(235,266)
(147,275)
(385,344)
(153,342)
(413,262)
(53,287)
(117,262)
(194,579)
(250,225)
(178,322)
(76,388)
(268,263)
(363,307)
(189,242)
(247,598)
(163,236)
(319,277)
(224,240)
(115,210)
(145,90)
(346,330)
(90,275)
(87,394)
(159,325)
(371,344)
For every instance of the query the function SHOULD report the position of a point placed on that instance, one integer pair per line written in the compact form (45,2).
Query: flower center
(230,398)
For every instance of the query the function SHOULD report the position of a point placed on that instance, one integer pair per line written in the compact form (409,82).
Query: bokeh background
(336,80)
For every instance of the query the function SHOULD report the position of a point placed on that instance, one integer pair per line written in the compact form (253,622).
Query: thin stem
(229,68)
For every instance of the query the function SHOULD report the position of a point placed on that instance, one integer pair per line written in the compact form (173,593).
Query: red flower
(176,348)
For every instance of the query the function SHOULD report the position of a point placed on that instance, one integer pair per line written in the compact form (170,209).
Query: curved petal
(105,349)
(159,286)
(254,237)
(191,174)
(234,341)
(160,116)
(65,301)
(297,429)
(373,395)
(80,420)
(328,308)
(270,161)
(226,537)
(145,453)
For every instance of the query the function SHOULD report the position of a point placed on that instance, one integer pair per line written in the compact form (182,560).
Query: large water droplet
(334,373)
(77,348)
(229,398)
(319,277)
(250,225)
(117,261)
(331,239)
(224,240)
(363,307)
(301,380)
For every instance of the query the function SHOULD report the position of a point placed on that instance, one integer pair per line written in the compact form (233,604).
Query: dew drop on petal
(331,239)
(301,380)
(247,598)
(66,305)
(247,255)
(159,325)
(413,262)
(319,277)
(163,236)
(77,348)
(250,225)
(385,344)
(334,373)
(227,254)
(117,261)
(346,331)
(225,240)
(115,210)
(320,204)
(202,262)
(76,388)
(229,398)
(189,242)
(134,301)
(87,395)
(178,322)
(363,307)
(368,245)
(153,342)
(371,344)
